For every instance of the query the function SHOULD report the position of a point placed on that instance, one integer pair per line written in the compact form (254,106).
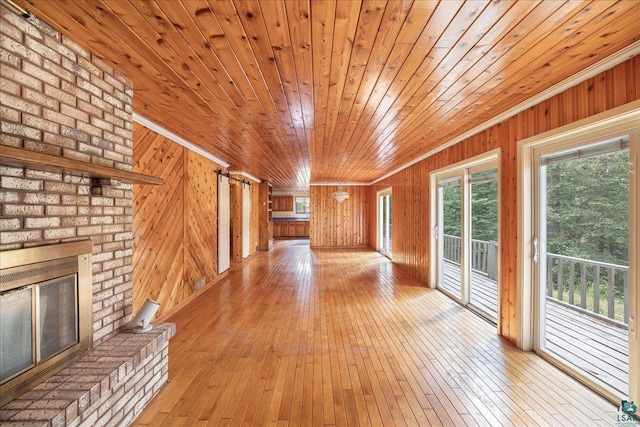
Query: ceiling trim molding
(178,139)
(588,73)
(335,183)
(246,175)
(292,192)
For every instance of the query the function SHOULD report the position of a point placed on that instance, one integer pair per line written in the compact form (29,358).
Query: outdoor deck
(484,291)
(597,347)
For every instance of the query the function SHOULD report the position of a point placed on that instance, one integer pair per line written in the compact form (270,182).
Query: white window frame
(622,120)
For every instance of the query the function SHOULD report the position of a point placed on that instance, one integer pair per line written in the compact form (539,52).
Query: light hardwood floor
(343,337)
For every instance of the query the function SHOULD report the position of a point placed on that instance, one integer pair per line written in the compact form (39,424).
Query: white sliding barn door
(246,219)
(224,224)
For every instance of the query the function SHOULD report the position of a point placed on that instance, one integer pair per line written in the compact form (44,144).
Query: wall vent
(199,284)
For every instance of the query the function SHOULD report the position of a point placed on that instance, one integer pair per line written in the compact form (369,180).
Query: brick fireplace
(59,99)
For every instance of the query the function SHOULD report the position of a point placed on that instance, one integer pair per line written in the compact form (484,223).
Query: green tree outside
(587,217)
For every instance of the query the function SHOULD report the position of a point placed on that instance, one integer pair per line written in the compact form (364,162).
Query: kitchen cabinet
(290,228)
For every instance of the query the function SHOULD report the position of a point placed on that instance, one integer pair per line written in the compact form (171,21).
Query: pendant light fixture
(340,195)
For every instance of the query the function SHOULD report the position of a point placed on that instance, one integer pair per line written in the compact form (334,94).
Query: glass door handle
(536,252)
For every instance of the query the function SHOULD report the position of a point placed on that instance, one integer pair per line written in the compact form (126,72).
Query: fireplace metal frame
(13,265)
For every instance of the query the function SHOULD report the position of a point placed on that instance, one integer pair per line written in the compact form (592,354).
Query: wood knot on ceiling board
(202,11)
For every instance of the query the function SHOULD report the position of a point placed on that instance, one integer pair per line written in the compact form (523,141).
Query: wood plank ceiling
(300,91)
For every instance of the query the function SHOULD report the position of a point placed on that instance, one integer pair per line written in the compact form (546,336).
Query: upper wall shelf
(19,157)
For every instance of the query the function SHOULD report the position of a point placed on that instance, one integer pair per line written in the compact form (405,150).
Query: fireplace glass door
(45,313)
(58,316)
(16,332)
(36,323)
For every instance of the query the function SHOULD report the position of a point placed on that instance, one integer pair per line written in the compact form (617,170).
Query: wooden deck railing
(597,287)
(484,255)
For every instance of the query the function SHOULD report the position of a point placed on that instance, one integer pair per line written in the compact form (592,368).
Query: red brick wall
(57,98)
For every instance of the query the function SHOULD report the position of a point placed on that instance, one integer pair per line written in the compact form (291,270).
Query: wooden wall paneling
(508,217)
(316,217)
(236,219)
(410,187)
(633,69)
(158,218)
(339,224)
(255,219)
(201,219)
(264,208)
(175,224)
(373,217)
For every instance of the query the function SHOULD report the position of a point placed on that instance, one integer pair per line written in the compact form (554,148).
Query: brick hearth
(109,386)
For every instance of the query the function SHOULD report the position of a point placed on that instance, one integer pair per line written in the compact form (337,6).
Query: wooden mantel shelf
(19,157)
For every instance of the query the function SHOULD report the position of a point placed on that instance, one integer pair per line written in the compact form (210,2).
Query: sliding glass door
(583,251)
(450,253)
(384,222)
(483,284)
(466,234)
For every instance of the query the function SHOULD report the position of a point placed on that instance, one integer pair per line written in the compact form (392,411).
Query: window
(302,205)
